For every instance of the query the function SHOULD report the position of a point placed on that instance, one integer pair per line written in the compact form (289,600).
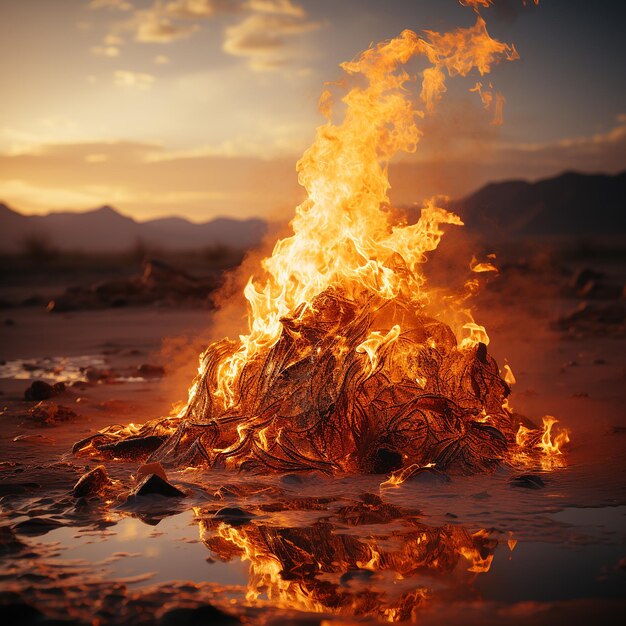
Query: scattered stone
(291,479)
(199,616)
(50,413)
(91,483)
(386,461)
(356,575)
(595,320)
(9,541)
(527,481)
(482,495)
(135,448)
(41,390)
(150,468)
(146,370)
(21,613)
(234,516)
(159,283)
(99,375)
(155,485)
(37,526)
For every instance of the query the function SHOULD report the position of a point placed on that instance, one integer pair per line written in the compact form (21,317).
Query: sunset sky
(202,107)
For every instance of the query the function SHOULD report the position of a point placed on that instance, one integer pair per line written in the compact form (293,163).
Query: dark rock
(199,616)
(527,481)
(155,485)
(9,541)
(596,320)
(481,495)
(386,461)
(234,516)
(20,613)
(37,526)
(50,413)
(291,479)
(135,448)
(91,483)
(150,371)
(150,468)
(96,375)
(358,575)
(41,390)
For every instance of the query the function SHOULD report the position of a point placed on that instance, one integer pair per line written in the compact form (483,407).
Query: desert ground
(236,548)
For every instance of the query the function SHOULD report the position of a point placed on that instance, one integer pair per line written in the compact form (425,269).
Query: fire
(400,476)
(351,361)
(349,257)
(342,234)
(548,443)
(310,568)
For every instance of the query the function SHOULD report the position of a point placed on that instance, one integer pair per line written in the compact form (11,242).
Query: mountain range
(106,230)
(569,204)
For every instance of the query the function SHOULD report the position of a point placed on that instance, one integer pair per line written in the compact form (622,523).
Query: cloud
(161,59)
(262,37)
(146,179)
(118,5)
(605,151)
(105,51)
(138,80)
(131,176)
(152,27)
(280,7)
(113,40)
(461,167)
(194,9)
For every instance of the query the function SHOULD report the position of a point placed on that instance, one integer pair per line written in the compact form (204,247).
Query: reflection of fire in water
(318,568)
(351,362)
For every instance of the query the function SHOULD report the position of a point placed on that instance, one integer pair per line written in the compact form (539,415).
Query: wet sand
(476,549)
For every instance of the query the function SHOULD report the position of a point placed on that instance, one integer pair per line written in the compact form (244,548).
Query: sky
(201,108)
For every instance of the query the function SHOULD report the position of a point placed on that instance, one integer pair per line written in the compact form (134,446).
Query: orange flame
(299,568)
(342,234)
(551,446)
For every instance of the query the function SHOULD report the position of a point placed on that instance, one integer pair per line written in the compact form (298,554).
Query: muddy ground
(312,549)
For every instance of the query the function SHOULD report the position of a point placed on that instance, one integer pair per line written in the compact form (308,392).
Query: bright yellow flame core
(343,233)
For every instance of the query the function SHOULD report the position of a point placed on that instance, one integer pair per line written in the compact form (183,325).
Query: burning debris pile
(352,362)
(333,394)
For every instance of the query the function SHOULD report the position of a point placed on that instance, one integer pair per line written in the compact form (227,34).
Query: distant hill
(106,230)
(569,204)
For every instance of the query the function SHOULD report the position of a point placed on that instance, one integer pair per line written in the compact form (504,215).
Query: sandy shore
(550,553)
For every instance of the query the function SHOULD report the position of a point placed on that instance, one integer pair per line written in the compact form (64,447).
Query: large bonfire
(352,362)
